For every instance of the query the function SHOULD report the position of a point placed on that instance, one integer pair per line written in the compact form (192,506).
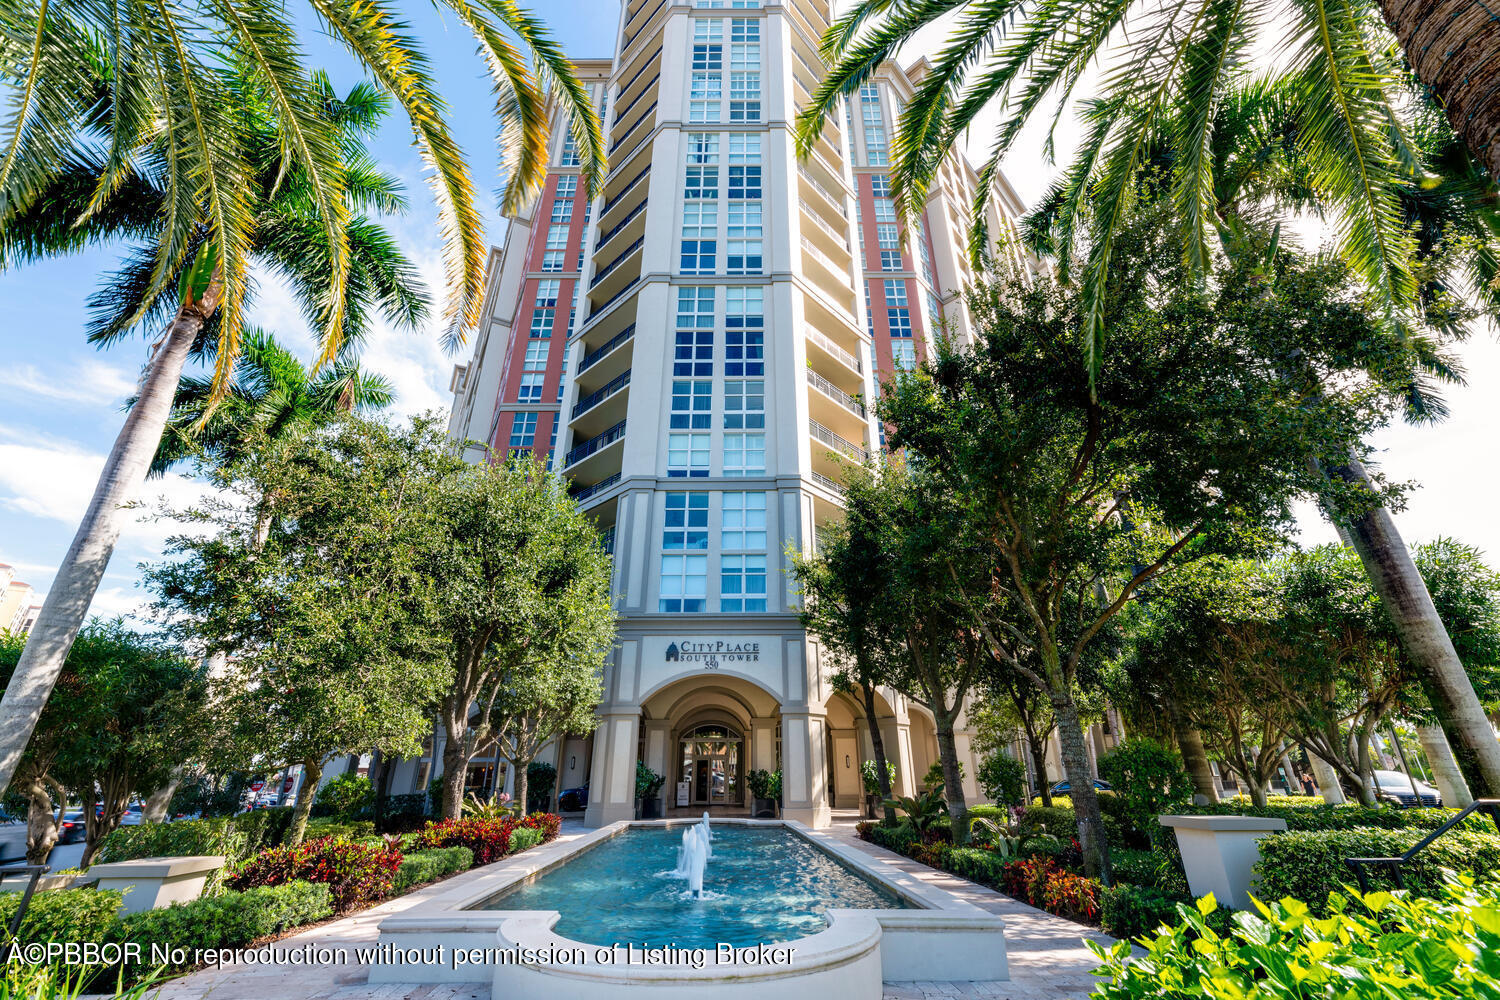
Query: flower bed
(356,874)
(489,839)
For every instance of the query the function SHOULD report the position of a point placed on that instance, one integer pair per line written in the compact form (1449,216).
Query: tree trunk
(1190,743)
(953,785)
(877,742)
(521,781)
(1075,760)
(42,822)
(1258,794)
(312,773)
(155,808)
(1454,48)
(455,766)
(1038,748)
(1402,592)
(1445,773)
(72,591)
(114,797)
(1327,779)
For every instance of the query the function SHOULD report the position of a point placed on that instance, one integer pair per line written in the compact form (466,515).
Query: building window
(569,152)
(693,347)
(897,309)
(544,308)
(531,387)
(744,527)
(875,144)
(744,454)
(702,166)
(700,229)
(706,84)
(567,186)
(744,70)
(684,583)
(688,455)
(744,404)
(552,260)
(904,354)
(742,583)
(536,355)
(686,524)
(743,254)
(745,338)
(523,431)
(607,540)
(926,254)
(562,210)
(692,404)
(744,167)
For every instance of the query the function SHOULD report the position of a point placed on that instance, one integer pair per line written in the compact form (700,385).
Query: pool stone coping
(897,940)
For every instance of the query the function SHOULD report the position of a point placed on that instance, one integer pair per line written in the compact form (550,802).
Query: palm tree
(1451,209)
(1163,62)
(287,237)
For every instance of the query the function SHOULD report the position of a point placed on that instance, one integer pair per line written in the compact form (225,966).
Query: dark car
(1063,787)
(573,799)
(1395,786)
(72,830)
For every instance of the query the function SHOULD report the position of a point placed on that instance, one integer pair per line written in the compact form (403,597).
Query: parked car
(1396,785)
(12,838)
(1063,787)
(573,799)
(133,815)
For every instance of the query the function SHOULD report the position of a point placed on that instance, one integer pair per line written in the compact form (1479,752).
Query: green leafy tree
(292,225)
(329,616)
(1150,779)
(1003,778)
(1076,492)
(522,591)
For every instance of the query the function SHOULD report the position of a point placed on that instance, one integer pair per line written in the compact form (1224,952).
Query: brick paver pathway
(1047,958)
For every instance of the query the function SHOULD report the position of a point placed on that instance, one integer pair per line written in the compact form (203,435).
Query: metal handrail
(631,130)
(836,441)
(826,343)
(37,871)
(594,443)
(591,358)
(609,268)
(833,392)
(597,488)
(1362,866)
(615,230)
(615,297)
(599,395)
(833,486)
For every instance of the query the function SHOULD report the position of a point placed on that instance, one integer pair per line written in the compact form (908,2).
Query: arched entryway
(711,760)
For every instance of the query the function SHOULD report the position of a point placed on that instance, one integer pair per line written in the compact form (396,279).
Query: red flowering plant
(489,839)
(548,823)
(1047,885)
(356,874)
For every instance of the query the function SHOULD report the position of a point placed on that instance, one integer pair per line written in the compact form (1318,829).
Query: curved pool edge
(944,938)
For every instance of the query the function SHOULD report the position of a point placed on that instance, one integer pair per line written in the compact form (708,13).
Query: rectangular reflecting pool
(762,885)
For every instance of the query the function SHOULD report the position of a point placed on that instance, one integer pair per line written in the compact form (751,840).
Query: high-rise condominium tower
(696,351)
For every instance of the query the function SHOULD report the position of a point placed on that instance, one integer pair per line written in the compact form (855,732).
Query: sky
(60,399)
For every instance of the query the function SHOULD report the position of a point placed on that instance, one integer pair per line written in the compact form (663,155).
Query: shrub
(995,813)
(402,813)
(228,920)
(647,781)
(1148,780)
(264,828)
(1322,816)
(975,864)
(1388,945)
(426,866)
(862,829)
(63,914)
(342,830)
(524,837)
(185,837)
(1047,885)
(1158,869)
(547,823)
(1003,778)
(869,774)
(356,874)
(488,839)
(1309,864)
(1128,911)
(895,838)
(346,796)
(540,777)
(1062,822)
(933,779)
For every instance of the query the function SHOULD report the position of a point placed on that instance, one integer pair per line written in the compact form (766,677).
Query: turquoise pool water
(762,885)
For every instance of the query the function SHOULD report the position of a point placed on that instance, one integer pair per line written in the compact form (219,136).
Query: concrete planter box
(152,883)
(1219,853)
(46,883)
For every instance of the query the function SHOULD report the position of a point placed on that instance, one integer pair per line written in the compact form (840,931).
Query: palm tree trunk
(1195,757)
(72,591)
(1454,47)
(1445,773)
(1402,592)
(521,790)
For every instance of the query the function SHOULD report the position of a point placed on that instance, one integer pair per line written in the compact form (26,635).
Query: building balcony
(833,362)
(831,485)
(825,436)
(823,234)
(831,279)
(811,183)
(603,407)
(835,408)
(582,496)
(832,451)
(596,459)
(606,361)
(615,276)
(632,225)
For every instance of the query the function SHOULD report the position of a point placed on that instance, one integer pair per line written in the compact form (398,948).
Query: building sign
(713,653)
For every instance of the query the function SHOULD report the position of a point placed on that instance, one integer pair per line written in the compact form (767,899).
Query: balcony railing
(593,444)
(605,271)
(834,441)
(626,47)
(822,340)
(615,297)
(627,189)
(597,488)
(836,202)
(645,65)
(822,224)
(821,257)
(609,345)
(832,486)
(637,98)
(599,395)
(836,394)
(631,130)
(615,229)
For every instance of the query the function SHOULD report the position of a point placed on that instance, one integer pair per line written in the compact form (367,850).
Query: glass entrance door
(711,765)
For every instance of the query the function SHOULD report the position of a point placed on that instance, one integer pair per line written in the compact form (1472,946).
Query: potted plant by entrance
(763,794)
(871,777)
(647,789)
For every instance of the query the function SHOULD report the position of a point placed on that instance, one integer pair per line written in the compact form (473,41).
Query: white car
(1396,785)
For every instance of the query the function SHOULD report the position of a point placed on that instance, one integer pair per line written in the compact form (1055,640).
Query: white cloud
(90,383)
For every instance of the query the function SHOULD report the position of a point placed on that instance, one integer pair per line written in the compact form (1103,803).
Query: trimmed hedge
(523,838)
(427,866)
(63,914)
(975,864)
(1062,823)
(401,813)
(264,828)
(1346,817)
(345,830)
(1309,864)
(898,838)
(184,837)
(228,920)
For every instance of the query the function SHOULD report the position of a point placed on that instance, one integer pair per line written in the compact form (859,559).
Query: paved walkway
(1047,958)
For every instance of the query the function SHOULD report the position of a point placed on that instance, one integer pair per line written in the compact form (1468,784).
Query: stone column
(763,743)
(906,781)
(804,771)
(612,779)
